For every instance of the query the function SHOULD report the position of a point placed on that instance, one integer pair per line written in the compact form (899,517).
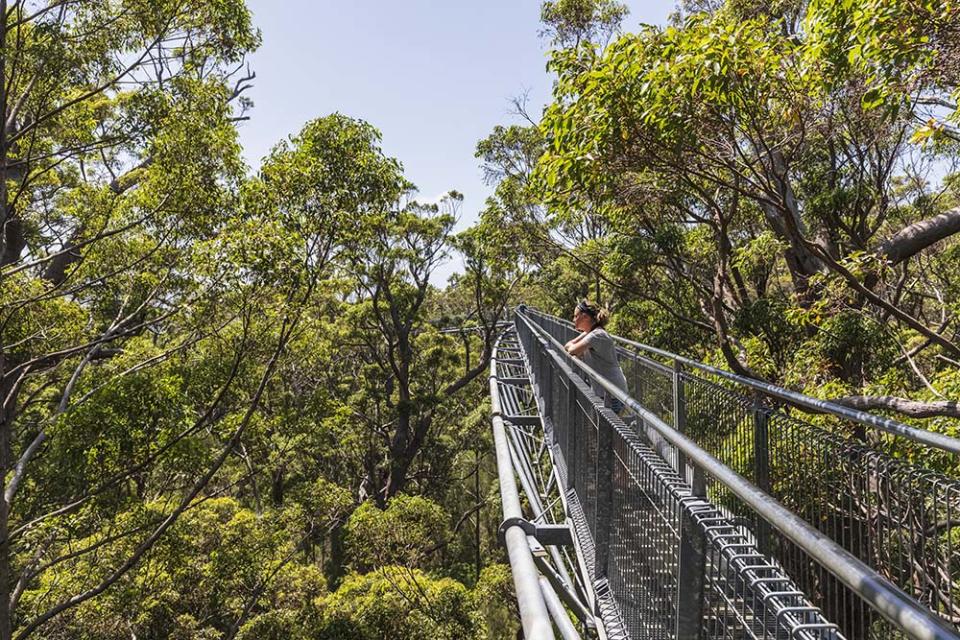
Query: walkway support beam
(567,630)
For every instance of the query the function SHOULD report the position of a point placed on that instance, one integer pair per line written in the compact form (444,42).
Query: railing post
(761,465)
(570,453)
(690,573)
(546,383)
(679,416)
(604,510)
(692,542)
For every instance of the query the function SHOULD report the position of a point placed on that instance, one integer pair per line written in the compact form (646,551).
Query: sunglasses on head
(583,307)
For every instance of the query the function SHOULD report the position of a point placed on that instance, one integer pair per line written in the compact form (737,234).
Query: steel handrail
(889,425)
(918,622)
(534,616)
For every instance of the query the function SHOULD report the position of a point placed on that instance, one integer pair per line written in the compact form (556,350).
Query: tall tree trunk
(277,485)
(6,385)
(6,568)
(399,462)
(7,579)
(478,500)
(787,224)
(334,567)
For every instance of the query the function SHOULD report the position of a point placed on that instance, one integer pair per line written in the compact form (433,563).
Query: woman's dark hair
(600,315)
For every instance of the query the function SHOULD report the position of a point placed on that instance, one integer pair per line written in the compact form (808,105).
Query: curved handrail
(889,425)
(534,616)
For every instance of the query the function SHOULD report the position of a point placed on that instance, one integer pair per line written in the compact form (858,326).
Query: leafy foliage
(237,406)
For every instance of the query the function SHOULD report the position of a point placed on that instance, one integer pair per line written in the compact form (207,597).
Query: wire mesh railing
(899,519)
(674,565)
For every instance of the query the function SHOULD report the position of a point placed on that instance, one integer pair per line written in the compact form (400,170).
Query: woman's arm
(572,341)
(578,345)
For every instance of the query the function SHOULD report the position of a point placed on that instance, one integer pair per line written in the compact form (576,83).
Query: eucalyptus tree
(568,23)
(413,382)
(559,246)
(150,294)
(118,162)
(747,167)
(330,182)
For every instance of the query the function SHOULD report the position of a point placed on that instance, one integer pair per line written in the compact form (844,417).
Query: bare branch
(912,408)
(918,236)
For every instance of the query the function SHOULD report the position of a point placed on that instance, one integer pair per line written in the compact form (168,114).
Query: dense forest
(236,405)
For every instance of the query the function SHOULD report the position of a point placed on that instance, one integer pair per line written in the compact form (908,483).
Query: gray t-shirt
(601,356)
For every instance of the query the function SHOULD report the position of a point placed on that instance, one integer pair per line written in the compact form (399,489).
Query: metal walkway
(707,511)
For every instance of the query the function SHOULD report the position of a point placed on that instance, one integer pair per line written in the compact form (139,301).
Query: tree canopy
(239,404)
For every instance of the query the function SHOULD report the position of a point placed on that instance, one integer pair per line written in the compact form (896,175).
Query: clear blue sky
(433,76)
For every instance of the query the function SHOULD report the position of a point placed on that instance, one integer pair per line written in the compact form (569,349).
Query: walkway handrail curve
(534,616)
(888,425)
(897,607)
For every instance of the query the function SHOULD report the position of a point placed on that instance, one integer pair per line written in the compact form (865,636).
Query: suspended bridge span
(713,506)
